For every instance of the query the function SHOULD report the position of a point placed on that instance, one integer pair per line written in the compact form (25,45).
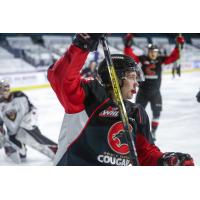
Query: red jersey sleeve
(148,152)
(172,57)
(64,77)
(129,52)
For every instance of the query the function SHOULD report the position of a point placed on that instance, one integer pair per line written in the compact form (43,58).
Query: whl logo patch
(109,112)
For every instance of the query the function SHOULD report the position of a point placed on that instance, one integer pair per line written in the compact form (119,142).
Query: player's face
(153,54)
(130,85)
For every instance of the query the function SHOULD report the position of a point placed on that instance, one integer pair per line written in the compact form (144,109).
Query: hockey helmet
(153,47)
(122,64)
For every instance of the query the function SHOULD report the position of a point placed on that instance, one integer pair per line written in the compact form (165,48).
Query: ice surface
(179,125)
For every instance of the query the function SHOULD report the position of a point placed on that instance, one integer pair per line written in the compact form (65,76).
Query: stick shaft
(120,103)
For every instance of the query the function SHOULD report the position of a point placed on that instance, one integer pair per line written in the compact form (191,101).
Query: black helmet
(122,63)
(153,47)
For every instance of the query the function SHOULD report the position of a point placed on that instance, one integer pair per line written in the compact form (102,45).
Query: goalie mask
(4,87)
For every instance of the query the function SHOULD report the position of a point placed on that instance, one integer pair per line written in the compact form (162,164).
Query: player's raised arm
(175,55)
(128,42)
(64,75)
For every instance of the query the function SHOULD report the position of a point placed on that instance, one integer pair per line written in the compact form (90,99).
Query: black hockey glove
(198,96)
(128,40)
(87,41)
(175,159)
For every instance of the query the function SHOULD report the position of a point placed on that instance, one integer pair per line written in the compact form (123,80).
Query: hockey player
(18,126)
(149,90)
(92,131)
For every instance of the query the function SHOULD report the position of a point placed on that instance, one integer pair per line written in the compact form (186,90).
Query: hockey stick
(120,103)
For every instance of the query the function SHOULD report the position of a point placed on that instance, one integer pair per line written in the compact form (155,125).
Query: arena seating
(23,47)
(195,42)
(141,42)
(5,54)
(14,65)
(56,44)
(23,51)
(38,56)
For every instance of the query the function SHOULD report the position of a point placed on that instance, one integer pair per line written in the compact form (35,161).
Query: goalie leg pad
(36,140)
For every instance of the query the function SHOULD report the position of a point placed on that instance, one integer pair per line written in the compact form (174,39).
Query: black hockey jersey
(152,68)
(92,131)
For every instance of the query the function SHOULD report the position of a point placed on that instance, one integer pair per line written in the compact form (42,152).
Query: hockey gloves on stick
(87,41)
(175,159)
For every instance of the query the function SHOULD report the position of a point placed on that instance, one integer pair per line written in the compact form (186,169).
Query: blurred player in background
(90,71)
(18,126)
(149,90)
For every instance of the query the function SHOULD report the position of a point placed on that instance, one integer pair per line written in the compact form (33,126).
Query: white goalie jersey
(17,112)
